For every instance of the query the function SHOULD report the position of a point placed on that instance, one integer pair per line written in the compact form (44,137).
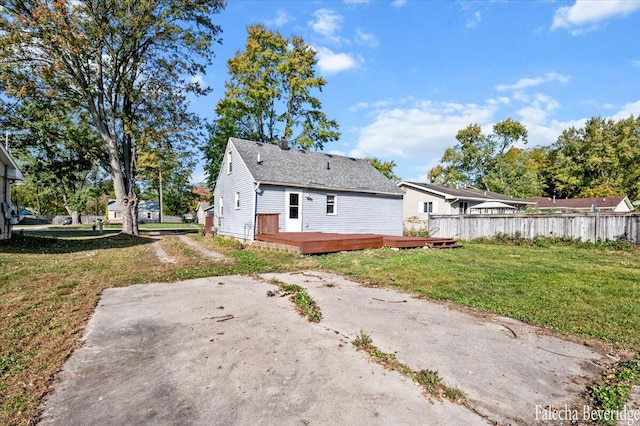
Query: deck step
(442,243)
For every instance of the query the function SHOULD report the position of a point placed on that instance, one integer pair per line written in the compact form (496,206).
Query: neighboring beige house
(9,173)
(619,204)
(423,199)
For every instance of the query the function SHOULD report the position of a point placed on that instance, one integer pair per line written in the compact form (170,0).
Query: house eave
(328,188)
(451,197)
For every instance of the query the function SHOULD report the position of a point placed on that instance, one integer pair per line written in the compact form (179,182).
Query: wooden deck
(323,242)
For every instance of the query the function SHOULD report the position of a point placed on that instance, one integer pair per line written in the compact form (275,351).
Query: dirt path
(202,250)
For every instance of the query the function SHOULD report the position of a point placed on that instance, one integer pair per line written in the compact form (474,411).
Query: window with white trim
(230,162)
(237,201)
(221,208)
(427,207)
(332,207)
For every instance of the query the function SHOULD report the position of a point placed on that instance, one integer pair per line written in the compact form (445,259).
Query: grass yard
(49,287)
(586,292)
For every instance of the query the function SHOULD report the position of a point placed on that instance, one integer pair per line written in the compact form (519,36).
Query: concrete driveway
(219,351)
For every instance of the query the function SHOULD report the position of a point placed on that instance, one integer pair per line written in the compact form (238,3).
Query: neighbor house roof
(204,206)
(153,206)
(581,203)
(469,194)
(13,171)
(270,164)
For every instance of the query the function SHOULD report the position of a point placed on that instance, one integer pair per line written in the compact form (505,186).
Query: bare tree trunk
(129,207)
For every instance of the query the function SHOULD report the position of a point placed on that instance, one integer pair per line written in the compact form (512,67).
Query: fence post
(597,227)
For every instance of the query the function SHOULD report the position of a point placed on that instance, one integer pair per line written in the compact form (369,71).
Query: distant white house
(9,173)
(423,199)
(303,191)
(148,212)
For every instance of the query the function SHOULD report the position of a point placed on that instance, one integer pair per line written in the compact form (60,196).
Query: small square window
(428,207)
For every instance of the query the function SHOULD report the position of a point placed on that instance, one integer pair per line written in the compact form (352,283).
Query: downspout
(255,210)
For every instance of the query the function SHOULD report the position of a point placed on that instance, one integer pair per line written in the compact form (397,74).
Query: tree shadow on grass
(51,245)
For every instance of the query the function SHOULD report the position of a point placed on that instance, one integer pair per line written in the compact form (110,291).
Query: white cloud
(474,20)
(281,18)
(627,111)
(357,1)
(538,111)
(635,63)
(585,15)
(327,22)
(398,3)
(422,130)
(366,38)
(330,62)
(527,82)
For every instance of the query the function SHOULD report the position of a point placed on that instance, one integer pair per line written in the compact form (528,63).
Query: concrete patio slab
(218,351)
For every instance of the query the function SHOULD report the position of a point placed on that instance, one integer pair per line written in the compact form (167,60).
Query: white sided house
(309,192)
(9,173)
(423,199)
(148,211)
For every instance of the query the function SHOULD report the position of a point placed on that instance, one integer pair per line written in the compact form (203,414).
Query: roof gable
(271,164)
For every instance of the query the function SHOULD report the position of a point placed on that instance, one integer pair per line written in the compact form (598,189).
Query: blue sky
(404,76)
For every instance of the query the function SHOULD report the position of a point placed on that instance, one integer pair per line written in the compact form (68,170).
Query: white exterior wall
(356,213)
(5,216)
(237,223)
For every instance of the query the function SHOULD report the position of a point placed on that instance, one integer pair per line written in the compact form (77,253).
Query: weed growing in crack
(362,340)
(305,304)
(455,395)
(429,380)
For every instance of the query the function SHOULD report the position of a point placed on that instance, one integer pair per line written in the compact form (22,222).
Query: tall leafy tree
(384,167)
(121,61)
(598,160)
(57,150)
(491,161)
(271,95)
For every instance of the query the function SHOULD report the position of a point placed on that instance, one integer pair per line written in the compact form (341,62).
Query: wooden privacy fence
(591,227)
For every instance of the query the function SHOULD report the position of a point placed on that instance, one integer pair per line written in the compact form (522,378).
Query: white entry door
(294,211)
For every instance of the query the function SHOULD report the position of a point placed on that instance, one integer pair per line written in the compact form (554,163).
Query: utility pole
(160,194)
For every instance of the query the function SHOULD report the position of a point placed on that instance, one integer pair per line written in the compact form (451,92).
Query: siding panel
(237,223)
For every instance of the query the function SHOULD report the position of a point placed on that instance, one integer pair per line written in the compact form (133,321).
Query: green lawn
(49,287)
(587,292)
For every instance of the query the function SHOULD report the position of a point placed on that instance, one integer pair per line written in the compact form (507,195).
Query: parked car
(67,221)
(187,218)
(26,213)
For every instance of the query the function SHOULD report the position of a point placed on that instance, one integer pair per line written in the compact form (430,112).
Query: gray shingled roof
(309,169)
(469,193)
